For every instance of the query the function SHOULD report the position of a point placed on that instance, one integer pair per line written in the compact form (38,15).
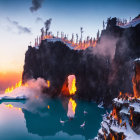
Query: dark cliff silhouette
(98,77)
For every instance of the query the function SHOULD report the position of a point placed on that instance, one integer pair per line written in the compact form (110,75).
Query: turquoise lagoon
(40,120)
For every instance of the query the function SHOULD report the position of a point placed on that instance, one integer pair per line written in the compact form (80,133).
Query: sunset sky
(20,24)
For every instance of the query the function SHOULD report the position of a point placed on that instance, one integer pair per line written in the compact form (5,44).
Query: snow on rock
(100,131)
(137,59)
(59,39)
(36,47)
(128,132)
(125,111)
(120,124)
(13,96)
(32,91)
(22,97)
(119,102)
(53,39)
(133,23)
(136,107)
(101,105)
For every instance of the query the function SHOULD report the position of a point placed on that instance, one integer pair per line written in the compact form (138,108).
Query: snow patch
(133,23)
(59,39)
(101,105)
(136,107)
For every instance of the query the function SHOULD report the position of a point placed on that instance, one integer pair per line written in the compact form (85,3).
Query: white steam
(33,88)
(32,92)
(106,46)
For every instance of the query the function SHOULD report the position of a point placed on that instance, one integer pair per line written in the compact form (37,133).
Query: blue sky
(67,16)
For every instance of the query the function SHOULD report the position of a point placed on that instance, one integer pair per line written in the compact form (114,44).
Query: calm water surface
(40,120)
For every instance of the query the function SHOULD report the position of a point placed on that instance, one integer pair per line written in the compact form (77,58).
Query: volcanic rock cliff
(99,77)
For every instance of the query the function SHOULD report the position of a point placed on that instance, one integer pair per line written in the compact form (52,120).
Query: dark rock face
(52,61)
(55,62)
(97,77)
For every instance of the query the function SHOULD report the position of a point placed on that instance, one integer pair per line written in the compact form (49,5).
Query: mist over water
(40,116)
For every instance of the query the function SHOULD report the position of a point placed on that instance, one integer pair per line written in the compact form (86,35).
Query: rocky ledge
(123,121)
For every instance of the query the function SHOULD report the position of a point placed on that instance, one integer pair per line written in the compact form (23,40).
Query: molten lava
(48,83)
(105,136)
(113,138)
(10,89)
(136,81)
(48,107)
(125,96)
(72,84)
(114,113)
(65,89)
(135,87)
(69,86)
(120,93)
(71,108)
(131,117)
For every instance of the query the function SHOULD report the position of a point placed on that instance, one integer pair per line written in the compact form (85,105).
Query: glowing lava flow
(72,84)
(71,108)
(48,83)
(10,89)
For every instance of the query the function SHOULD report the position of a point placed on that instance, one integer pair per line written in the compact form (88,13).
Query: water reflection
(45,121)
(71,108)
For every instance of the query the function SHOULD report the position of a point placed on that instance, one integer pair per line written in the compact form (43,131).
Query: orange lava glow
(65,89)
(73,104)
(81,45)
(113,138)
(71,108)
(131,117)
(136,81)
(10,89)
(120,121)
(72,84)
(7,79)
(69,86)
(125,96)
(135,90)
(105,136)
(114,113)
(48,83)
(122,137)
(48,107)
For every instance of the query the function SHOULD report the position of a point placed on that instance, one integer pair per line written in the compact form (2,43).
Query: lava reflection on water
(71,108)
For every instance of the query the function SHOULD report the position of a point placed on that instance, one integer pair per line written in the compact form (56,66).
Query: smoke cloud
(39,19)
(106,47)
(36,4)
(47,24)
(33,93)
(21,29)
